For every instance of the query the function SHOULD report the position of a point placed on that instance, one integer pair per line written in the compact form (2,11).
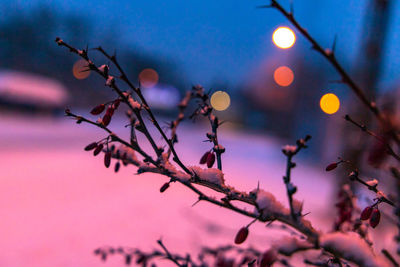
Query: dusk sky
(223,40)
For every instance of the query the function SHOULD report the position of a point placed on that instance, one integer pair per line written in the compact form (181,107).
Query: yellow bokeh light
(220,100)
(80,69)
(283,37)
(329,103)
(148,77)
(283,76)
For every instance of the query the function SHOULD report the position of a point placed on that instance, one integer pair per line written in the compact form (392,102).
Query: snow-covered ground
(58,202)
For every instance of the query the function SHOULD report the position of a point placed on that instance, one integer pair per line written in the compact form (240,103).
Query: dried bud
(98,109)
(91,146)
(203,159)
(375,218)
(116,103)
(164,187)
(117,166)
(106,119)
(331,166)
(98,149)
(107,159)
(268,258)
(110,110)
(241,236)
(210,160)
(366,213)
(128,259)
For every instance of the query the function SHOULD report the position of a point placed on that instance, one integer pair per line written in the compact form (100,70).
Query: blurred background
(55,199)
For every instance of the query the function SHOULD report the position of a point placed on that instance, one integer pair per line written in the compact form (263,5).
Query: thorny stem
(382,198)
(111,83)
(330,56)
(168,255)
(138,91)
(114,137)
(181,115)
(186,178)
(364,128)
(290,189)
(390,257)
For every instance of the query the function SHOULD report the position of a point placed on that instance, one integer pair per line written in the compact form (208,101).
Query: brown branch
(364,128)
(138,91)
(330,56)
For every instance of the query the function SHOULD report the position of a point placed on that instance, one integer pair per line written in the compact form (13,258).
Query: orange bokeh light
(148,77)
(283,76)
(80,69)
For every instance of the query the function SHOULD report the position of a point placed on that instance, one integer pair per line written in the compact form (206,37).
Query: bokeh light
(283,37)
(329,103)
(283,76)
(148,77)
(220,100)
(80,69)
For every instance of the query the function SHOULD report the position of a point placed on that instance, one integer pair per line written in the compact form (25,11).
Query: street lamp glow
(329,103)
(220,100)
(283,37)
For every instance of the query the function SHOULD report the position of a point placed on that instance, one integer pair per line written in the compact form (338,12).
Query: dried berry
(210,160)
(203,159)
(375,218)
(331,166)
(107,159)
(164,187)
(98,149)
(241,236)
(366,213)
(106,119)
(98,109)
(91,146)
(117,166)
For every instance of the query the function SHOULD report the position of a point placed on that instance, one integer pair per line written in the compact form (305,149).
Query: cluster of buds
(109,111)
(209,158)
(372,214)
(97,147)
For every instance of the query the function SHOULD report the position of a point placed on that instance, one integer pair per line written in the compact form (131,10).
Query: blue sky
(224,40)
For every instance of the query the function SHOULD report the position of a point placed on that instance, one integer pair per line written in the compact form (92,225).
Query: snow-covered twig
(290,152)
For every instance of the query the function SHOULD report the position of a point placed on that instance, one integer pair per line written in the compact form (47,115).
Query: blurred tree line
(27,44)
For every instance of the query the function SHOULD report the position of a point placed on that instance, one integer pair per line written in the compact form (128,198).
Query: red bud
(241,236)
(375,218)
(98,109)
(331,166)
(268,258)
(107,159)
(210,160)
(91,146)
(117,166)
(106,119)
(203,159)
(164,187)
(366,213)
(116,103)
(110,110)
(98,149)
